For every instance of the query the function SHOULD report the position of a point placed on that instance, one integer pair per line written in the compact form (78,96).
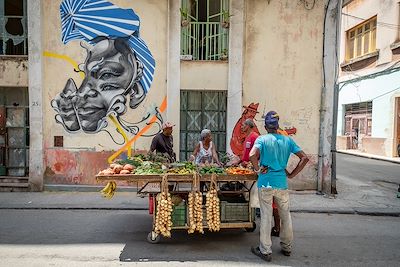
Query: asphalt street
(112,238)
(367,170)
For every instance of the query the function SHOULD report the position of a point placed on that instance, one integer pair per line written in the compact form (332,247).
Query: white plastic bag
(254,200)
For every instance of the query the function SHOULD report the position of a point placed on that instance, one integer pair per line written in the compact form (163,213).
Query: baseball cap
(167,125)
(272,120)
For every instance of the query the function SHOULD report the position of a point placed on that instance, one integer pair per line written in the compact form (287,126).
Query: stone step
(14,189)
(16,178)
(17,181)
(14,184)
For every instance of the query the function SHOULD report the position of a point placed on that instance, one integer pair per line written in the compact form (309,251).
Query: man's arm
(254,159)
(154,143)
(300,165)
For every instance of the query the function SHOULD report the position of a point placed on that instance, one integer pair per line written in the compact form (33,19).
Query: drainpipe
(327,141)
(336,100)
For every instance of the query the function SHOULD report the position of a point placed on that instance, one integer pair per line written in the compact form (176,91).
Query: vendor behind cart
(163,142)
(205,151)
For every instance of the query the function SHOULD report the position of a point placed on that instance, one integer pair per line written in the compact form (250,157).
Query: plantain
(106,188)
(109,189)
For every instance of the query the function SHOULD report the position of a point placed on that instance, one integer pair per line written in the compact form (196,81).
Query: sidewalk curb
(351,212)
(355,211)
(83,188)
(71,208)
(367,156)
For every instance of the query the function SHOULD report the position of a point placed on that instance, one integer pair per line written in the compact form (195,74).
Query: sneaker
(256,251)
(274,232)
(286,252)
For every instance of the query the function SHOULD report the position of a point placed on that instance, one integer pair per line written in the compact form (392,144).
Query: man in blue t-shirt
(269,156)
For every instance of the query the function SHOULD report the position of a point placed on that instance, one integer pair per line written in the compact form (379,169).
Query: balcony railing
(204,41)
(13,44)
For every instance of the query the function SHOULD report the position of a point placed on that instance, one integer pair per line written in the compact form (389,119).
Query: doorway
(14,132)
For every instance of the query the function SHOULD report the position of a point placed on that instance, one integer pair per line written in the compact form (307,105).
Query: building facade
(198,64)
(369,86)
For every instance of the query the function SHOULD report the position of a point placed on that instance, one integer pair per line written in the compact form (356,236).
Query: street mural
(118,69)
(238,136)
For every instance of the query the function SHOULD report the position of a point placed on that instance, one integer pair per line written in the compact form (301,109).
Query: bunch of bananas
(109,189)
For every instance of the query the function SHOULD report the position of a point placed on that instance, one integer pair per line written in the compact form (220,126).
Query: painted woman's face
(109,76)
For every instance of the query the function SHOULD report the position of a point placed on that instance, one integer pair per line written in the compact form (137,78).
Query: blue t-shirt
(275,150)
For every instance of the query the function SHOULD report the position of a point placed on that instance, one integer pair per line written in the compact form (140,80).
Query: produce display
(211,170)
(116,168)
(212,207)
(149,167)
(158,164)
(163,223)
(182,168)
(238,170)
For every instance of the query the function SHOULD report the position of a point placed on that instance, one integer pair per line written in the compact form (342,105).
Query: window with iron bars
(358,118)
(13,27)
(205,28)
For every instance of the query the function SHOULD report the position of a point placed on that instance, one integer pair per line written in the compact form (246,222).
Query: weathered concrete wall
(342,142)
(14,71)
(373,145)
(283,72)
(214,75)
(59,59)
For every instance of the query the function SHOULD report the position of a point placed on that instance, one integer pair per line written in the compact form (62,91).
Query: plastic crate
(179,215)
(231,212)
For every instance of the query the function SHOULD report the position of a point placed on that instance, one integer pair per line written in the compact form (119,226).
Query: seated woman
(205,151)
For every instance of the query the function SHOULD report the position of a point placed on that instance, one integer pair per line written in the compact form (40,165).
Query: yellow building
(215,63)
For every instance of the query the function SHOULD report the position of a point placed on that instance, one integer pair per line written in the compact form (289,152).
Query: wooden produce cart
(233,215)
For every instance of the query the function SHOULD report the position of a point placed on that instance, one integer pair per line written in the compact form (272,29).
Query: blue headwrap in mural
(89,19)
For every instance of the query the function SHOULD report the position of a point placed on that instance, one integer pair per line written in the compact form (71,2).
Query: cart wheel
(251,229)
(153,238)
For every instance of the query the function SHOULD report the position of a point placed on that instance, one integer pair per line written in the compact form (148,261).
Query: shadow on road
(227,245)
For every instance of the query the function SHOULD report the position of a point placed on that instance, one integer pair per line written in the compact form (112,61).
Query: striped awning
(88,19)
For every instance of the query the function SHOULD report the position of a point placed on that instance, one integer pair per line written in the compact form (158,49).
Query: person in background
(205,151)
(163,142)
(269,156)
(251,136)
